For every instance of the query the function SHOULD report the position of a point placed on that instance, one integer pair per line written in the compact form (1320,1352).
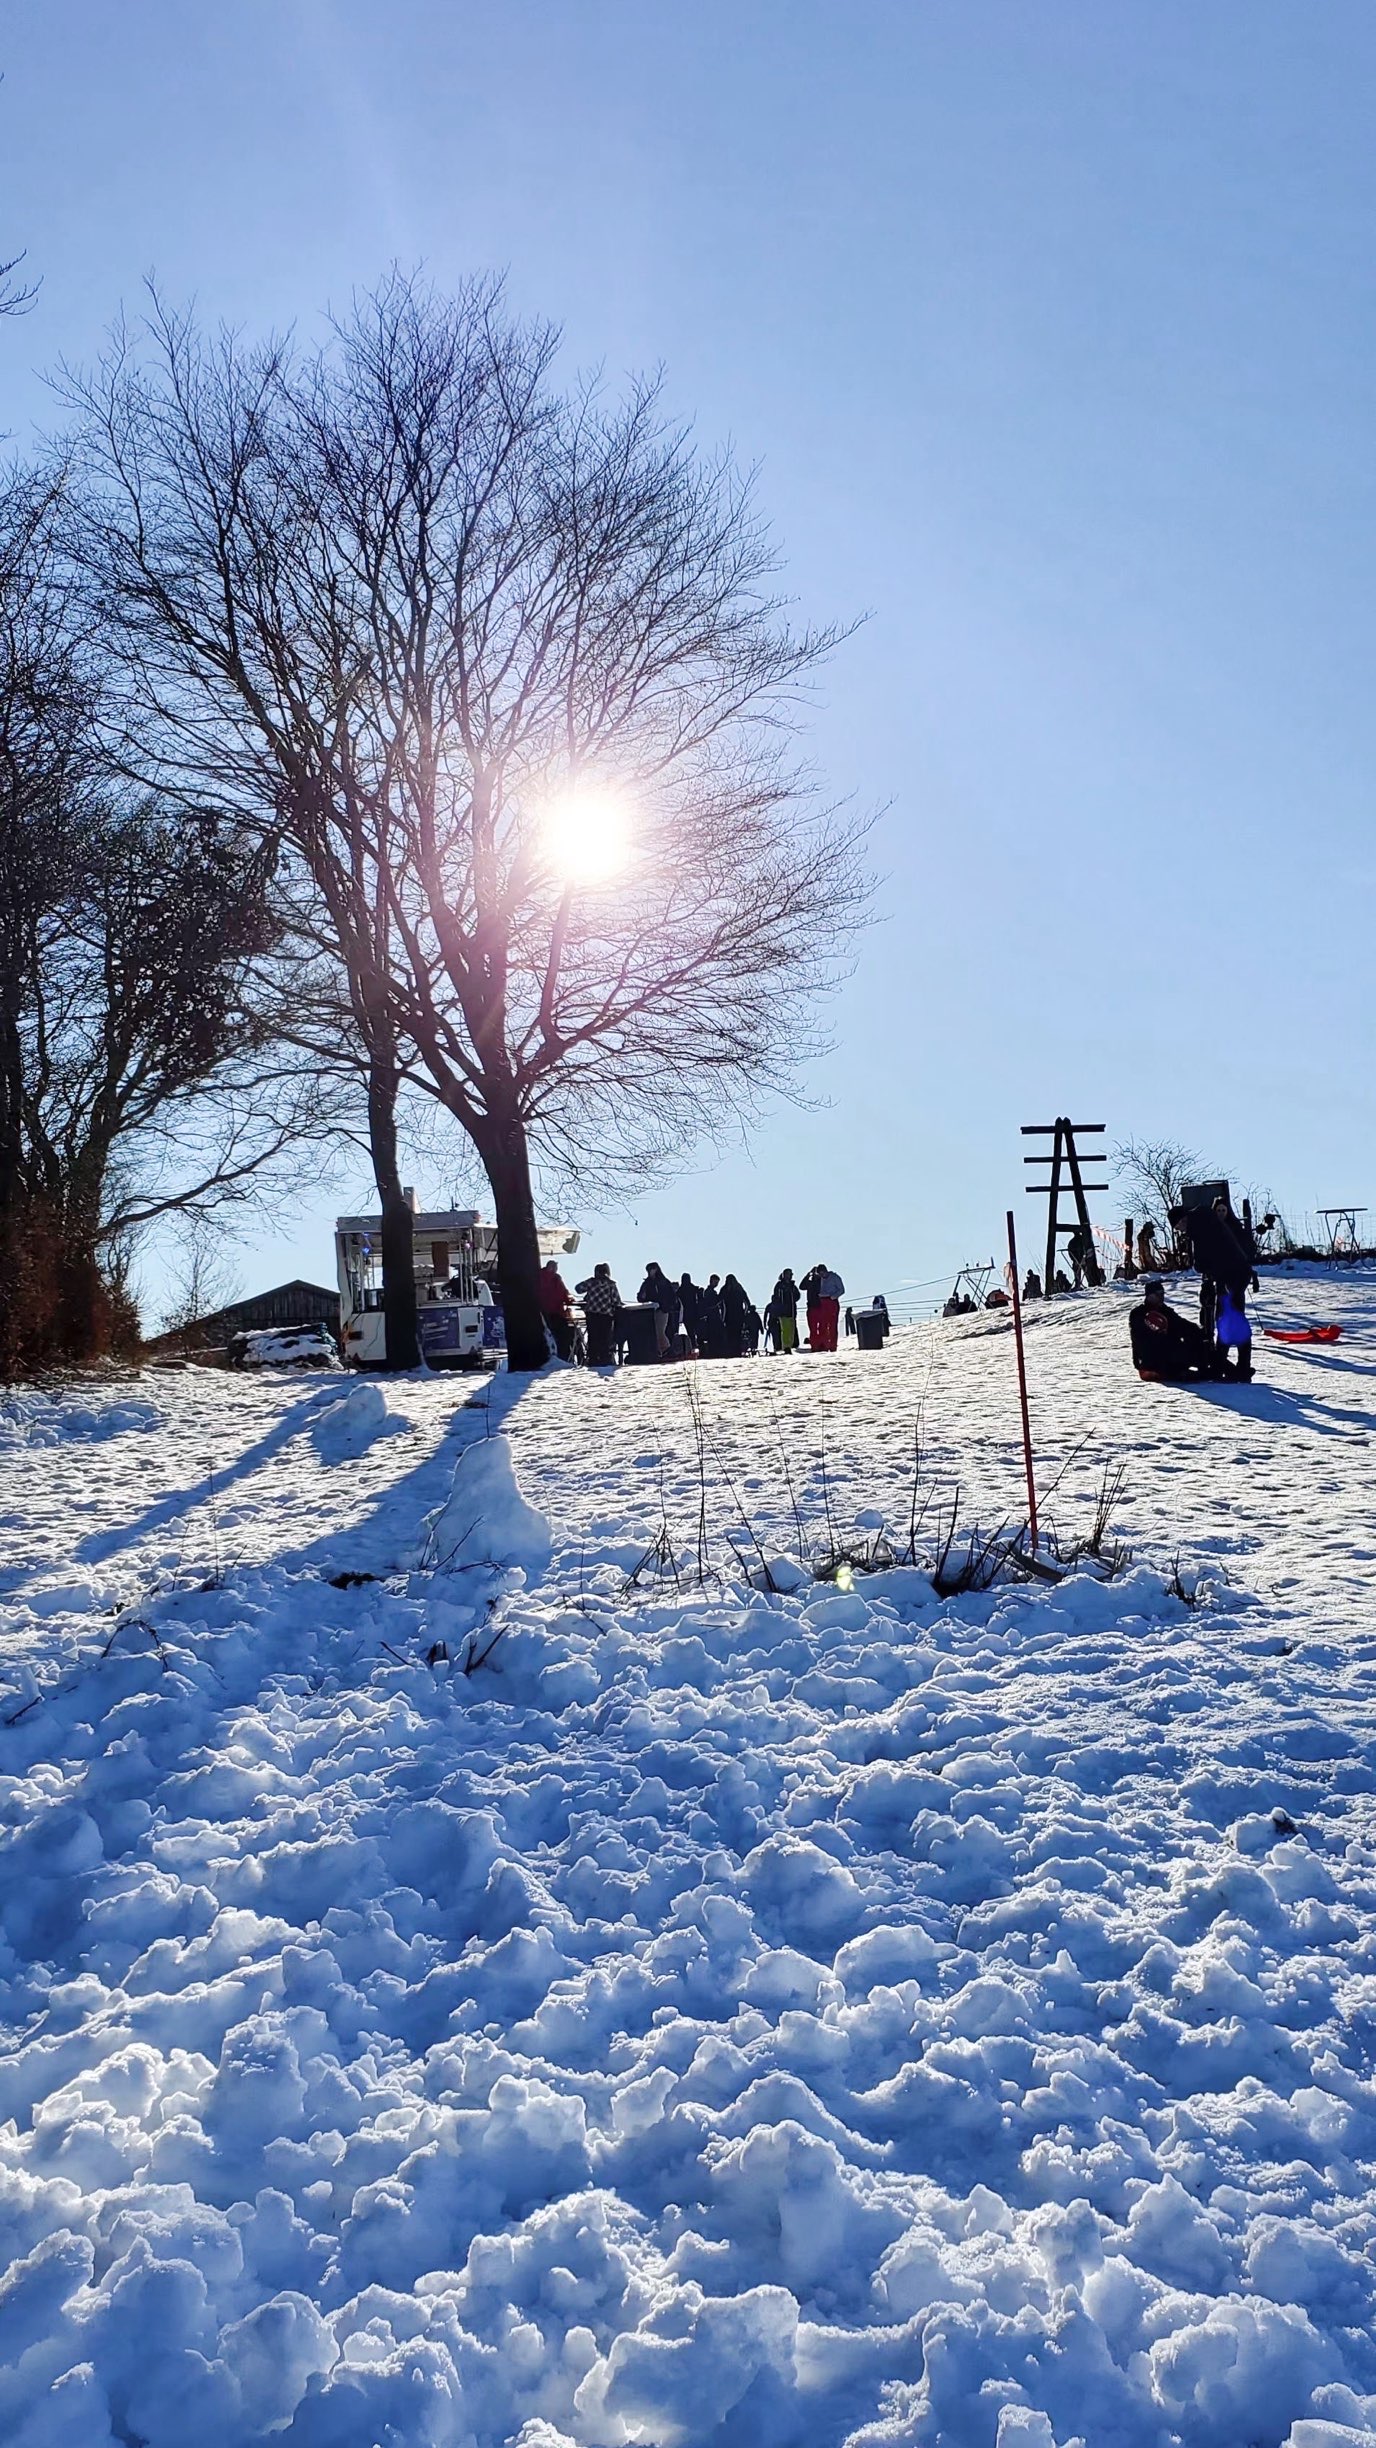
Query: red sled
(1302,1334)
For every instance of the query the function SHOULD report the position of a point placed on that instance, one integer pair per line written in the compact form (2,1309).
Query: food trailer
(458,1317)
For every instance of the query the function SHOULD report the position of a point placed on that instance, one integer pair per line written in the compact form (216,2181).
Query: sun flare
(587,833)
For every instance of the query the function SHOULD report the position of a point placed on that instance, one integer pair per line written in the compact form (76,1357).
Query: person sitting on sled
(1165,1345)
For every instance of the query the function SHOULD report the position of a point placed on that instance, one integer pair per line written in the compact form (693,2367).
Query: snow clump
(344,1429)
(485,1519)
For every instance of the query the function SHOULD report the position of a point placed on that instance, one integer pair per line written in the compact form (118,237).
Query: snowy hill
(726,2015)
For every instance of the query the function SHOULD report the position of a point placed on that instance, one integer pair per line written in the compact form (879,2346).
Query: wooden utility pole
(1022,1382)
(1066,1177)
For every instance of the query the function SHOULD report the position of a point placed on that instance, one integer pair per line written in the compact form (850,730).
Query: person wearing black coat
(781,1316)
(660,1295)
(1222,1247)
(735,1302)
(711,1319)
(1226,1255)
(1165,1345)
(810,1285)
(690,1309)
(1079,1249)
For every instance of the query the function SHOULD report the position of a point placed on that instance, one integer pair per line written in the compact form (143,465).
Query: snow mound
(485,1519)
(57,1419)
(343,1430)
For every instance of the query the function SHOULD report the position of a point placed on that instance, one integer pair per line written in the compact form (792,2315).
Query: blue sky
(1051,330)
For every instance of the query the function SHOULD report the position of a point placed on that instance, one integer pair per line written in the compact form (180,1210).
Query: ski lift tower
(1067,1184)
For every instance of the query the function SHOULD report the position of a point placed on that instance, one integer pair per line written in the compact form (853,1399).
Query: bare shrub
(1097,1546)
(1190,1593)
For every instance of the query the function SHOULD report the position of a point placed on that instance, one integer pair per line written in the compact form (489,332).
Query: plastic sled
(1302,1334)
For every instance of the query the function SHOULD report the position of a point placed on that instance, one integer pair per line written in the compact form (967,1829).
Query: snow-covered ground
(729,2017)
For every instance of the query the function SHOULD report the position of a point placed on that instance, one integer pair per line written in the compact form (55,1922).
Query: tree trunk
(506,1160)
(24,1318)
(27,1299)
(398,1269)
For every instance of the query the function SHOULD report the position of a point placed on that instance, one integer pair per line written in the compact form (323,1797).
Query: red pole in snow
(1022,1380)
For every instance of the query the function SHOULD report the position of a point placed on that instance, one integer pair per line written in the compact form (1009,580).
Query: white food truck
(458,1318)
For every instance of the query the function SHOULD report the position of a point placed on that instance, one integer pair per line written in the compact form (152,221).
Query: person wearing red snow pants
(824,1290)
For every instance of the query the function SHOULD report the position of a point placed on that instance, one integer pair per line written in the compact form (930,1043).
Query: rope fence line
(907,1310)
(907,1307)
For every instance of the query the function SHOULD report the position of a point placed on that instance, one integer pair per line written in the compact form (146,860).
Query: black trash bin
(871,1326)
(635,1330)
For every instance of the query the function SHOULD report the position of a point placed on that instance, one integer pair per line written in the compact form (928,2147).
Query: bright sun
(587,833)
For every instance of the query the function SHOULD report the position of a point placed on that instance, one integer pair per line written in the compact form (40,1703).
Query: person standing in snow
(601,1301)
(711,1320)
(555,1303)
(735,1301)
(659,1293)
(832,1293)
(690,1305)
(781,1316)
(825,1291)
(1226,1255)
(1233,1339)
(1079,1249)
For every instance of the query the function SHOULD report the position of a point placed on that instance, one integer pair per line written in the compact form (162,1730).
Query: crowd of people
(717,1320)
(678,1319)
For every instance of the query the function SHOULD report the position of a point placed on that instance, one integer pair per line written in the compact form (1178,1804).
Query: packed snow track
(481,1966)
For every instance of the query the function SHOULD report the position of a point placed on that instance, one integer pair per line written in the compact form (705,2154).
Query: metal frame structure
(1335,1218)
(1066,1180)
(975,1277)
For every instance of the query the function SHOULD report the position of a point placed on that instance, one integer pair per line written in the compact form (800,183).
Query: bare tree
(16,295)
(1153,1174)
(421,600)
(136,1068)
(46,698)
(147,1083)
(202,1278)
